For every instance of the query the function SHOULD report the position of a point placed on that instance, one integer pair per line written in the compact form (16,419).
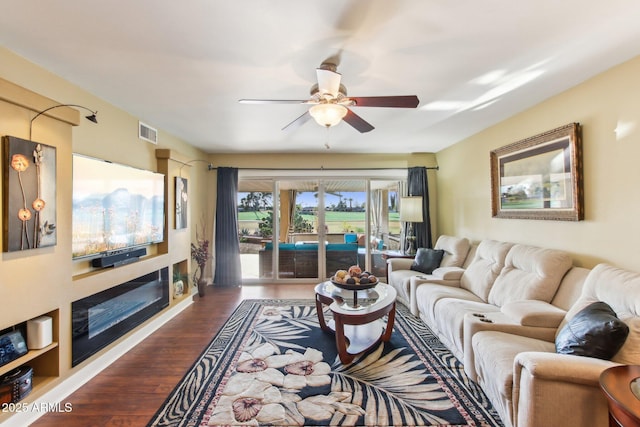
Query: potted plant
(178,282)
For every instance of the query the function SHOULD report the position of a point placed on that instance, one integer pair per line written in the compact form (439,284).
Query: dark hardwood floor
(130,391)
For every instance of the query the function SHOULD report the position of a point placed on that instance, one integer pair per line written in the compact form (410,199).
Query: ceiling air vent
(147,133)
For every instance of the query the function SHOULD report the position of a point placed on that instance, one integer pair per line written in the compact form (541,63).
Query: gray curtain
(292,215)
(228,269)
(417,185)
(376,212)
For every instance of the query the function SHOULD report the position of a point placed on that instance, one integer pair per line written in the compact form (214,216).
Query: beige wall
(38,281)
(611,230)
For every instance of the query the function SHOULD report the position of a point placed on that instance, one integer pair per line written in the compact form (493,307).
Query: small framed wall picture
(182,202)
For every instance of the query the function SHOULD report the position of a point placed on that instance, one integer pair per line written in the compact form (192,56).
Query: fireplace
(100,319)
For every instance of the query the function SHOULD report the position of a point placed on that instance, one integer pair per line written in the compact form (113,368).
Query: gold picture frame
(539,177)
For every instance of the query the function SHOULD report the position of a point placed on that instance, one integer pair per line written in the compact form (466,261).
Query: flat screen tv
(115,207)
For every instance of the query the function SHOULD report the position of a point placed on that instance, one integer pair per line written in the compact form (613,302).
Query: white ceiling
(181,66)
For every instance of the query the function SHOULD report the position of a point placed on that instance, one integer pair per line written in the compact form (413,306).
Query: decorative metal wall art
(29,205)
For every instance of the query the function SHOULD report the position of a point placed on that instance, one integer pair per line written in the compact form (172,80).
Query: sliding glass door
(304,229)
(300,228)
(255,225)
(345,212)
(384,224)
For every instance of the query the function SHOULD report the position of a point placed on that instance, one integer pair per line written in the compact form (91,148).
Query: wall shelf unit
(45,362)
(180,270)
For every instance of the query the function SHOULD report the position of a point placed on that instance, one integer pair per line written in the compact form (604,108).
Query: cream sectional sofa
(501,317)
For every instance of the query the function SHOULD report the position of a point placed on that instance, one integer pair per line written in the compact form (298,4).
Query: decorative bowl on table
(354,279)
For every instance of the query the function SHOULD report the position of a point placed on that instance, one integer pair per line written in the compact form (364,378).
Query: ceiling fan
(330,103)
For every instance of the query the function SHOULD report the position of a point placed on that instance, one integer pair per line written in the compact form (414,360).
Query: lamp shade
(328,114)
(411,209)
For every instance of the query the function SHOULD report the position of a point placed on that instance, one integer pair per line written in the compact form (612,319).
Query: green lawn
(251,216)
(337,222)
(330,216)
(522,204)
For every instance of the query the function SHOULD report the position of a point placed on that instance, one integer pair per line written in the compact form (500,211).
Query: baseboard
(59,392)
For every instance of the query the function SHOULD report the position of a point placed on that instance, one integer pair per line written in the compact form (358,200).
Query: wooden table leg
(386,336)
(320,312)
(341,340)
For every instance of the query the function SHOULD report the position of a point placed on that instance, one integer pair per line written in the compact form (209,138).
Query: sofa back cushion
(530,273)
(455,250)
(487,263)
(620,289)
(353,247)
(281,246)
(570,288)
(473,247)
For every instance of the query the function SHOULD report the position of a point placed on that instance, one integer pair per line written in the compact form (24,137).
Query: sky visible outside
(308,198)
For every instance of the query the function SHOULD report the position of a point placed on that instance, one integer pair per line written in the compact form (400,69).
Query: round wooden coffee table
(358,326)
(620,385)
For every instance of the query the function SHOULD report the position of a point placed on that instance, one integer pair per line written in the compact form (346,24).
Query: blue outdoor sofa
(300,260)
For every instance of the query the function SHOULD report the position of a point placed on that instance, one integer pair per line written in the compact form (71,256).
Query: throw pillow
(595,331)
(427,260)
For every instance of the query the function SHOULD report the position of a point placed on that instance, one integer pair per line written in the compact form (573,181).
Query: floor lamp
(410,212)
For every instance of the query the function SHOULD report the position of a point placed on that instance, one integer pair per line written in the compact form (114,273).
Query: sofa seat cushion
(427,260)
(428,294)
(595,331)
(401,280)
(496,321)
(405,280)
(495,353)
(494,356)
(449,314)
(530,273)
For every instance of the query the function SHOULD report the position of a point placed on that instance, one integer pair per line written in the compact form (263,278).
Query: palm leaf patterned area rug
(271,364)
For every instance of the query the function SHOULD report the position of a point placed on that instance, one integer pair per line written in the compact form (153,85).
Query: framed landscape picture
(539,177)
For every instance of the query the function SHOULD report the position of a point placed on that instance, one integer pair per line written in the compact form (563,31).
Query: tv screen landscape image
(115,207)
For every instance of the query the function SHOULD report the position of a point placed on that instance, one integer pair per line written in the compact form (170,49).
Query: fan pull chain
(326,143)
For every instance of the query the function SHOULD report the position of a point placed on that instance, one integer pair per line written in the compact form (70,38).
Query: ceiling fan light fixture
(328,115)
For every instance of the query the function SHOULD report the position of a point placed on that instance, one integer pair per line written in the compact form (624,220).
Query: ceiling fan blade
(404,101)
(357,122)
(328,81)
(273,101)
(299,121)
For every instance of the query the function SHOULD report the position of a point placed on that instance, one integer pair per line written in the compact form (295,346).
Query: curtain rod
(323,169)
